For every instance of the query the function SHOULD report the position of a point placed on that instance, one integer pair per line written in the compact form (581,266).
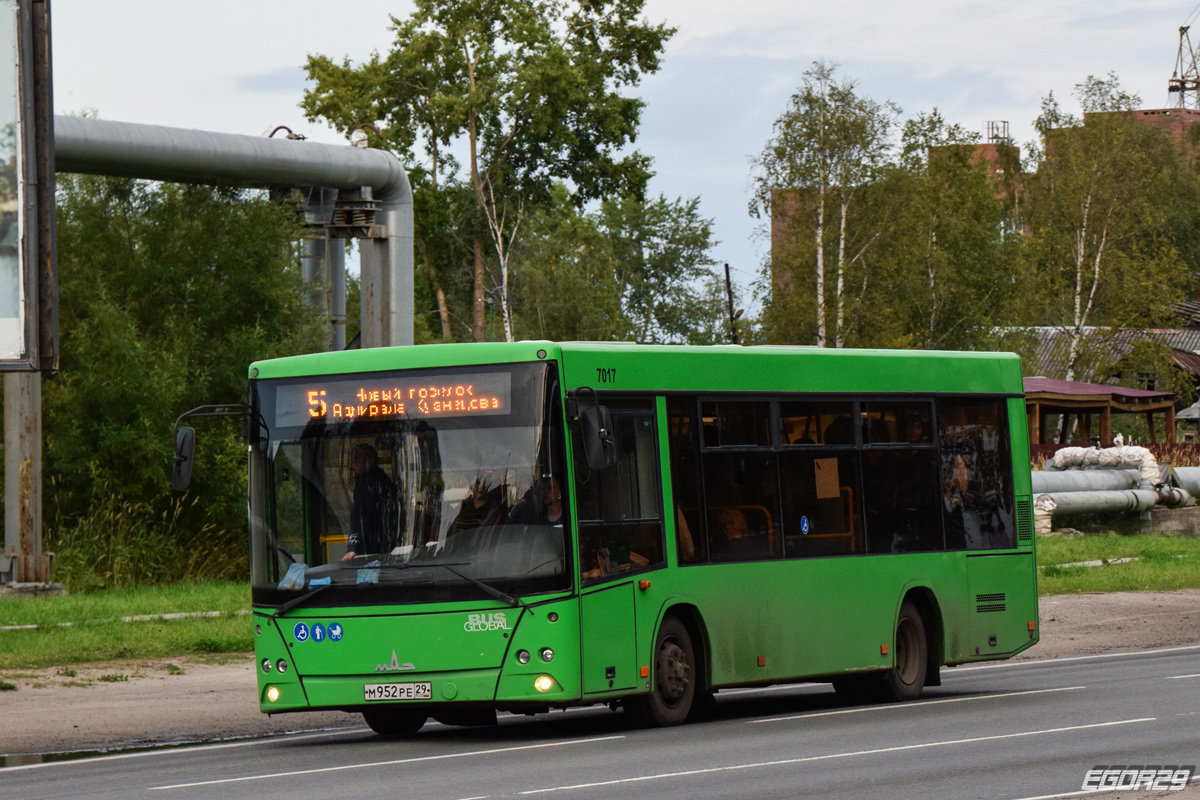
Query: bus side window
(741,482)
(976,474)
(900,478)
(620,522)
(684,445)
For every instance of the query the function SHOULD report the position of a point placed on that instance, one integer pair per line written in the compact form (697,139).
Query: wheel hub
(673,668)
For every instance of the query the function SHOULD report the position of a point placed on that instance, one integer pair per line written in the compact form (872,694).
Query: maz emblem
(395,666)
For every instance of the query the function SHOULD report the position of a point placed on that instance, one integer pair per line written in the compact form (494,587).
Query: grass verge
(96,632)
(1157,568)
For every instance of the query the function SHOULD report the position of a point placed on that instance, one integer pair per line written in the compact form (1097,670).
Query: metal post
(733,334)
(23,477)
(336,250)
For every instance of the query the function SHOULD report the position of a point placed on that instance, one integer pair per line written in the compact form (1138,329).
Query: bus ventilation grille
(989,602)
(1024,522)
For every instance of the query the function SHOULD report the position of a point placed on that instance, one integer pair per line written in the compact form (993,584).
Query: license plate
(398,691)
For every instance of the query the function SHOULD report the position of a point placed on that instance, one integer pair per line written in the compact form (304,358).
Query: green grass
(1157,570)
(97,633)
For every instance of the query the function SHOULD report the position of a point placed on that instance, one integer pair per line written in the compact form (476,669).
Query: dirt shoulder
(160,702)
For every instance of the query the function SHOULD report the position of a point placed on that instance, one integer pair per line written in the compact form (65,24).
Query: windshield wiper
(304,598)
(491,591)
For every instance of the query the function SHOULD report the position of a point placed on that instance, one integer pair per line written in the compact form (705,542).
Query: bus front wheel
(394,722)
(906,679)
(674,683)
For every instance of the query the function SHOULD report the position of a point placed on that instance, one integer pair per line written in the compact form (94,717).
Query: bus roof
(621,366)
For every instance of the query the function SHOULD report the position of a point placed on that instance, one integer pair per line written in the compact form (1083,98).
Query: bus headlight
(266,665)
(272,693)
(523,656)
(281,665)
(547,654)
(544,683)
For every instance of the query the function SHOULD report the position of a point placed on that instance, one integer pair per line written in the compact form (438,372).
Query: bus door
(620,545)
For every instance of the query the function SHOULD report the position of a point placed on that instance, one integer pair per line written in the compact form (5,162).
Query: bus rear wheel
(394,723)
(906,679)
(674,685)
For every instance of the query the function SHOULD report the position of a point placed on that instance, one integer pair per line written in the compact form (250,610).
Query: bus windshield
(413,486)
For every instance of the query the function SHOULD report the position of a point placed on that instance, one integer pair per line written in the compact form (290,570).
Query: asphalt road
(999,731)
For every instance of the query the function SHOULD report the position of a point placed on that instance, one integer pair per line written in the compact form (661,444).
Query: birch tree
(829,142)
(1098,216)
(529,92)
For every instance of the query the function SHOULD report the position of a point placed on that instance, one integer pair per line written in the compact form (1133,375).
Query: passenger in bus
(374,515)
(736,543)
(483,506)
(541,505)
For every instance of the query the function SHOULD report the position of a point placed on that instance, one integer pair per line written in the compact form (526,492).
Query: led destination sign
(394,397)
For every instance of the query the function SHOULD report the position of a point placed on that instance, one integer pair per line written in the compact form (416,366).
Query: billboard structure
(28,285)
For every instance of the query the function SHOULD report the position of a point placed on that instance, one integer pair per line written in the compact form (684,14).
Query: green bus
(450,531)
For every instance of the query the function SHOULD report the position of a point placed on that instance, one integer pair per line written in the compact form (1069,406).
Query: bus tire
(673,685)
(394,723)
(906,679)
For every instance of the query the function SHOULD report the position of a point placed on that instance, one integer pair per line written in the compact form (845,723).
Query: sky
(726,75)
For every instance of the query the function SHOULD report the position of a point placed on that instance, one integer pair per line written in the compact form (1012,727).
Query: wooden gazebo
(1045,396)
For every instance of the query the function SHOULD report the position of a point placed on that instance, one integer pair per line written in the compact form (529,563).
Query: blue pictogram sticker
(804,525)
(335,631)
(318,633)
(300,632)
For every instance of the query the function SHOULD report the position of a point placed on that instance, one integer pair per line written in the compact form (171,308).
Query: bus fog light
(281,665)
(544,683)
(523,656)
(266,665)
(547,654)
(272,693)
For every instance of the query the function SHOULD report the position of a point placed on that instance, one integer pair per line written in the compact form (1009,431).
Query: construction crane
(1185,81)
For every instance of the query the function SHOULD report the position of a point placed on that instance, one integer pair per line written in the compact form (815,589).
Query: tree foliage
(166,294)
(1099,216)
(528,94)
(953,245)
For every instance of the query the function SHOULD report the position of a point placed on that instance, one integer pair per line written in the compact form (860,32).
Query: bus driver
(374,494)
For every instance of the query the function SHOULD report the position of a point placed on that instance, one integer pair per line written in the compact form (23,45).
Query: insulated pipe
(1077,480)
(1189,479)
(156,152)
(1068,503)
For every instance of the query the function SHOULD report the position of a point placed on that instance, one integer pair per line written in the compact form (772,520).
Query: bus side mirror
(598,445)
(185,451)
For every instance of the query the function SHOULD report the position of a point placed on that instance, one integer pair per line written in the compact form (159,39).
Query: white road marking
(778,688)
(1177,677)
(419,759)
(914,705)
(167,750)
(1044,662)
(829,756)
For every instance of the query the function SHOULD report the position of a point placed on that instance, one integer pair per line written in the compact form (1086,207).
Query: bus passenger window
(684,451)
(620,524)
(821,503)
(742,505)
(900,478)
(976,474)
(805,423)
(736,423)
